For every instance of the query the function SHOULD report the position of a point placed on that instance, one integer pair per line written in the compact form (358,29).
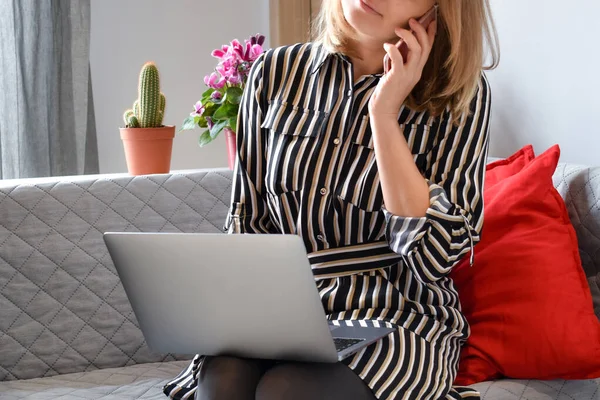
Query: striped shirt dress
(306,166)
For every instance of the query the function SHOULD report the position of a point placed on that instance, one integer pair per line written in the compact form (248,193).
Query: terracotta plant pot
(231,146)
(148,150)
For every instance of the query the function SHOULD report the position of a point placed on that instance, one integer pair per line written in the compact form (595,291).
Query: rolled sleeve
(406,233)
(433,244)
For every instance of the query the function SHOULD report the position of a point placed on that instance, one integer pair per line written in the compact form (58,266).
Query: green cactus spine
(149,109)
(161,109)
(149,96)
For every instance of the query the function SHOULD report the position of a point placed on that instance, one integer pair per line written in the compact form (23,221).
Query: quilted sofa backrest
(580,187)
(62,306)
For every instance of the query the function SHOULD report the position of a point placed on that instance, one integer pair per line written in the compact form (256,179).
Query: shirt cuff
(404,233)
(235,213)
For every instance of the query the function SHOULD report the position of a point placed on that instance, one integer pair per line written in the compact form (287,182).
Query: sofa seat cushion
(514,389)
(141,381)
(145,381)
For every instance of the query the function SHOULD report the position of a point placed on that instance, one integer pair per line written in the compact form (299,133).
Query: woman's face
(377,19)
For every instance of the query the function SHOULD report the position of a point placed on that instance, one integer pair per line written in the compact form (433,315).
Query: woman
(382,176)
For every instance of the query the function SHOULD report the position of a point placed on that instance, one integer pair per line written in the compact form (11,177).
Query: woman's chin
(364,23)
(367,29)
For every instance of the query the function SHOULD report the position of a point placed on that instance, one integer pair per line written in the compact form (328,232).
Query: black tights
(230,378)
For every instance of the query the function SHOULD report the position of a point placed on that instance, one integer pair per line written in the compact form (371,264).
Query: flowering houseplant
(218,108)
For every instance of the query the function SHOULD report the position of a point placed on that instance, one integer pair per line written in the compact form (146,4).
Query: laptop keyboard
(344,343)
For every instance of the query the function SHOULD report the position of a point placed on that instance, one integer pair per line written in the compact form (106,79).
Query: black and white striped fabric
(306,166)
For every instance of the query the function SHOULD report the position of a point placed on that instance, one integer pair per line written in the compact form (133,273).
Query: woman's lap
(403,365)
(299,381)
(227,378)
(224,378)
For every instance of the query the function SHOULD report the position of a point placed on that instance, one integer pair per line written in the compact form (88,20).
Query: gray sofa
(67,330)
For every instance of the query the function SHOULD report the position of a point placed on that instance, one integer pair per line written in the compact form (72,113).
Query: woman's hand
(395,86)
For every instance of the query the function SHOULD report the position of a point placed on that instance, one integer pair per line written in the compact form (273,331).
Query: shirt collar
(322,54)
(319,59)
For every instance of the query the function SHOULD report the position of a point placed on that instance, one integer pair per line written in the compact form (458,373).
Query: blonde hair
(451,75)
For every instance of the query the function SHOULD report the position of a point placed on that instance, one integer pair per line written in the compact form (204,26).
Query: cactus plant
(149,109)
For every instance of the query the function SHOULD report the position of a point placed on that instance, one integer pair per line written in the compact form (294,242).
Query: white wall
(547,88)
(179,36)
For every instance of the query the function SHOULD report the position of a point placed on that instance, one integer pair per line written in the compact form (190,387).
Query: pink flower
(238,49)
(235,61)
(220,53)
(229,70)
(253,48)
(198,109)
(215,81)
(255,51)
(216,95)
(230,64)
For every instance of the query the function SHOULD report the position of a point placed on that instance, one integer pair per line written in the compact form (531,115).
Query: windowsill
(79,178)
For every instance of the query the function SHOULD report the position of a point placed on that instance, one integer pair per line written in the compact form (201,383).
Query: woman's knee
(295,381)
(225,378)
(281,382)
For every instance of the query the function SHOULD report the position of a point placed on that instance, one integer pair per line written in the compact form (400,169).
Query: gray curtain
(47,123)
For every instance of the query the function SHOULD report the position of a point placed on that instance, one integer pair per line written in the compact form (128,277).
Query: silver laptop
(245,295)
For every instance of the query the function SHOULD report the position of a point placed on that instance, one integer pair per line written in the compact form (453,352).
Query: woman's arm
(248,212)
(433,222)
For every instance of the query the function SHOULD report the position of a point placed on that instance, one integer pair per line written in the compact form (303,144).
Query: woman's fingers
(414,47)
(394,55)
(420,32)
(431,32)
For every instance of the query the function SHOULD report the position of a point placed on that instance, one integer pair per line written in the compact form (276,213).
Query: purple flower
(198,109)
(251,52)
(215,81)
(257,39)
(209,122)
(254,47)
(216,95)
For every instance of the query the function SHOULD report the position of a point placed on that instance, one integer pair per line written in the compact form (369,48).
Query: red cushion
(526,296)
(502,169)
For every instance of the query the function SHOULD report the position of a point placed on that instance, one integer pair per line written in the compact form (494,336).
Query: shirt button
(320,237)
(336,141)
(323,191)
(349,93)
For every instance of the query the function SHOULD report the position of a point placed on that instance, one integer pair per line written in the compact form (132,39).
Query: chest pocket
(292,137)
(360,184)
